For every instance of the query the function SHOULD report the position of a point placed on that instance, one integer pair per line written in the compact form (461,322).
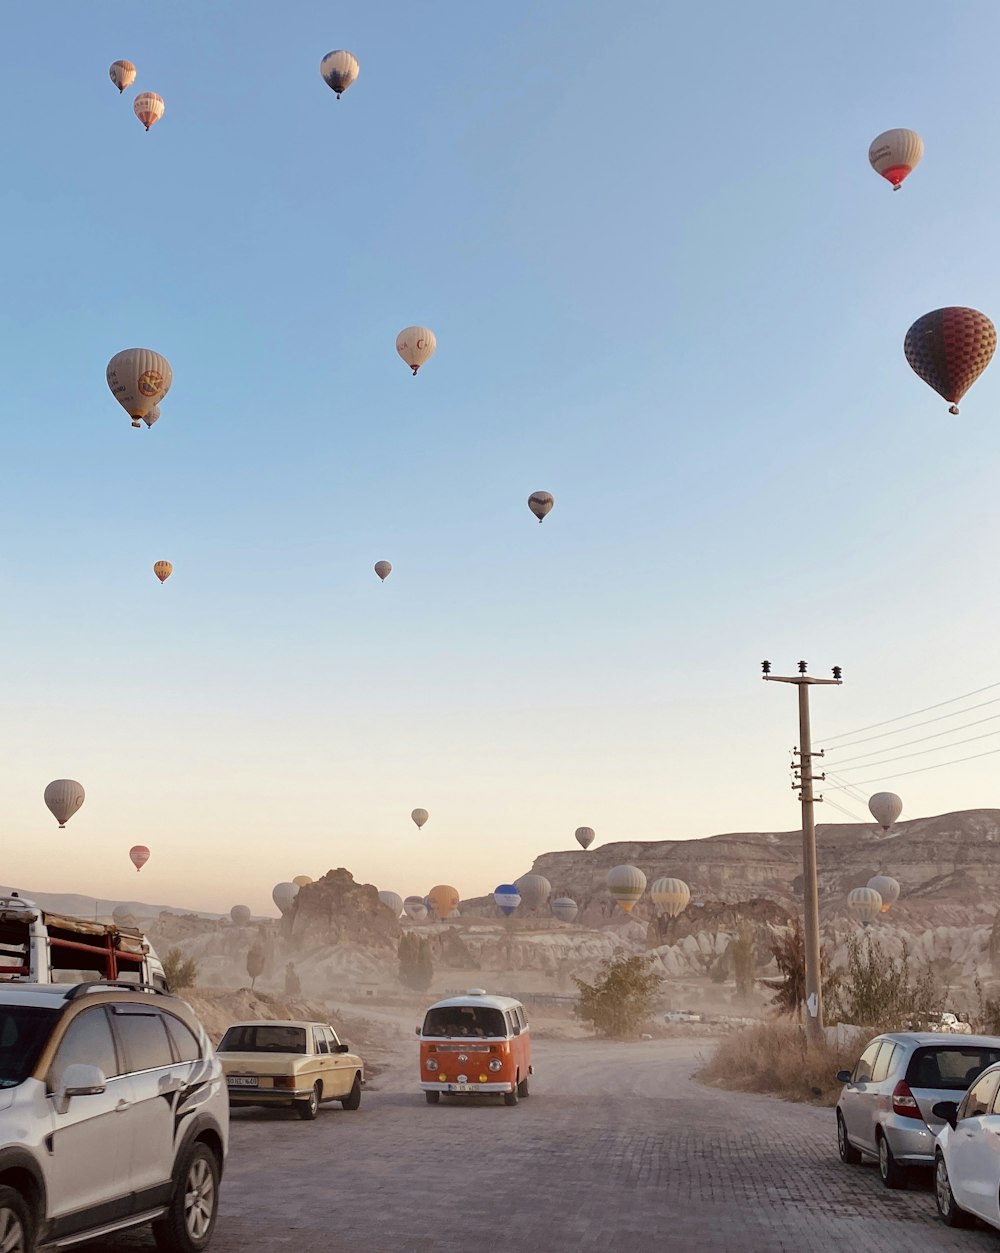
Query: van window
(522,1017)
(465,1020)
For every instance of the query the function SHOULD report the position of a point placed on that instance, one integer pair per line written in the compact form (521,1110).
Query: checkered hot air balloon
(949,349)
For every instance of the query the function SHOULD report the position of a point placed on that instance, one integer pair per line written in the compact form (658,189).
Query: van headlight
(496,1064)
(431,1064)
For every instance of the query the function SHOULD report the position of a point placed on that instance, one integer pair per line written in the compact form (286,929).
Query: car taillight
(284,1081)
(904,1102)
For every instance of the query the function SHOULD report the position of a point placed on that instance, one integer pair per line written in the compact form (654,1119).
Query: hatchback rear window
(952,1067)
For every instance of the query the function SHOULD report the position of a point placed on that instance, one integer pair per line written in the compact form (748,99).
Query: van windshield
(465,1020)
(24,1029)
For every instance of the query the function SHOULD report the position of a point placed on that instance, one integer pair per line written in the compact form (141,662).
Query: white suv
(114,1113)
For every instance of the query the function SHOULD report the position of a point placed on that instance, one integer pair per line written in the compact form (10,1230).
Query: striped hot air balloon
(626,884)
(148,107)
(122,74)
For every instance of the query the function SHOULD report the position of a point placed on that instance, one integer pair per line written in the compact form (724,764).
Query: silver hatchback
(885,1108)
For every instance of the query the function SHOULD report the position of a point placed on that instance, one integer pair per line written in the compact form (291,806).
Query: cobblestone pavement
(617,1148)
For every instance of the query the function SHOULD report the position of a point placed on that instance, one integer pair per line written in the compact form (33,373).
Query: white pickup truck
(39,947)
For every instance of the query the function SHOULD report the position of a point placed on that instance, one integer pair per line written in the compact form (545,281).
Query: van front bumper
(467,1087)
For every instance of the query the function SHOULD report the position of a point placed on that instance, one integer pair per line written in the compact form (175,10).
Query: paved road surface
(617,1149)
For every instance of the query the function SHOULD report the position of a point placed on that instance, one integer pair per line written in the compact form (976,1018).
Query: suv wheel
(188,1225)
(848,1153)
(15,1222)
(893,1175)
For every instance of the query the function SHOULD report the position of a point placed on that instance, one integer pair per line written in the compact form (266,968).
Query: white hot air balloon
(565,909)
(885,808)
(283,894)
(419,816)
(865,904)
(894,154)
(584,836)
(888,888)
(64,797)
(670,895)
(139,378)
(415,908)
(122,74)
(339,70)
(240,914)
(416,346)
(383,569)
(626,884)
(393,901)
(534,890)
(151,417)
(122,916)
(148,108)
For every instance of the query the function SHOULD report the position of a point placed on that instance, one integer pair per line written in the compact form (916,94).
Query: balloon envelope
(283,894)
(151,417)
(584,836)
(507,898)
(138,855)
(885,808)
(671,895)
(540,503)
(864,903)
(148,108)
(888,888)
(139,378)
(240,914)
(393,901)
(416,346)
(163,570)
(419,816)
(122,916)
(122,74)
(383,569)
(444,899)
(626,884)
(534,889)
(565,909)
(339,69)
(415,908)
(64,797)
(949,349)
(894,154)
(301,880)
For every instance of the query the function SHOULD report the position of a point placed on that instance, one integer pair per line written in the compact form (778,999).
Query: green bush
(881,992)
(416,970)
(255,964)
(621,1000)
(180,971)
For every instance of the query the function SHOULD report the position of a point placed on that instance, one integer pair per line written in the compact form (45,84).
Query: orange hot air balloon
(949,349)
(444,899)
(163,570)
(148,108)
(139,855)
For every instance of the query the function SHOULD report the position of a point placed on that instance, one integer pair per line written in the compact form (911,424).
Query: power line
(941,748)
(902,717)
(919,740)
(847,786)
(926,723)
(921,770)
(854,817)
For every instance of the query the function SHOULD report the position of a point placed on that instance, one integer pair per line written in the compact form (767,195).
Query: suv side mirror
(947,1111)
(79,1079)
(843,1076)
(341,1048)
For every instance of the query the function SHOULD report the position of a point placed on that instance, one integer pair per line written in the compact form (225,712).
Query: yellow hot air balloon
(626,884)
(540,503)
(894,154)
(865,904)
(444,900)
(148,108)
(339,70)
(383,569)
(122,74)
(163,570)
(888,888)
(139,378)
(420,816)
(671,895)
(416,345)
(301,880)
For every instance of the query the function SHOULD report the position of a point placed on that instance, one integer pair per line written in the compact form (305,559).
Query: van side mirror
(946,1111)
(843,1076)
(416,1030)
(79,1079)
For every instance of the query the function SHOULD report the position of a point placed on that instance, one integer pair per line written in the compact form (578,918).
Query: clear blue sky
(666,286)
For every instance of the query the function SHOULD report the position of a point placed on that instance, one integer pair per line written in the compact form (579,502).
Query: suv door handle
(122,1106)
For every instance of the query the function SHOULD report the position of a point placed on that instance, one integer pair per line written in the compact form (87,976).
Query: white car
(113,1114)
(966,1158)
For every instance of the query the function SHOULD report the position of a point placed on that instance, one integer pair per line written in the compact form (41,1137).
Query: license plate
(241,1081)
(463,1087)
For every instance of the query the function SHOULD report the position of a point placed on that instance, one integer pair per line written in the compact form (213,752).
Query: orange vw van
(475,1043)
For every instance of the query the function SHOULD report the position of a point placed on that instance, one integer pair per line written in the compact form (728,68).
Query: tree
(255,964)
(621,999)
(880,992)
(742,953)
(180,971)
(416,970)
(789,952)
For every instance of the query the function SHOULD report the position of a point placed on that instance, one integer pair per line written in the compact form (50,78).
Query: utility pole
(810,877)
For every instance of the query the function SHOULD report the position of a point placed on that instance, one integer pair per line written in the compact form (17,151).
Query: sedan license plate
(242,1081)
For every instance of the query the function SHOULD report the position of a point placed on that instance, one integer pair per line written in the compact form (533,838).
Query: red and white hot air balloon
(148,108)
(894,154)
(138,855)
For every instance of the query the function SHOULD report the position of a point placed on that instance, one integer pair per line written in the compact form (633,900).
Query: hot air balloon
(64,797)
(138,855)
(122,916)
(949,349)
(888,888)
(283,894)
(240,914)
(122,74)
(444,900)
(535,890)
(139,379)
(419,816)
(148,108)
(383,569)
(152,416)
(163,570)
(865,904)
(393,901)
(414,908)
(507,898)
(339,70)
(540,503)
(565,909)
(626,884)
(416,346)
(895,154)
(885,808)
(584,836)
(670,895)
(301,880)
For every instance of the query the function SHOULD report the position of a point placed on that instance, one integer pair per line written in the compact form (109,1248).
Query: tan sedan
(300,1064)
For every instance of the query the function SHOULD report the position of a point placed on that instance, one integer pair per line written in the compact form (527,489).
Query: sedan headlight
(496,1064)
(431,1064)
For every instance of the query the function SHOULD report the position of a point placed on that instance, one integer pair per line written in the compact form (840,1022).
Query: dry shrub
(777,1057)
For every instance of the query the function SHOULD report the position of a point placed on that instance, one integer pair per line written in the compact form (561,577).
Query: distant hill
(77,906)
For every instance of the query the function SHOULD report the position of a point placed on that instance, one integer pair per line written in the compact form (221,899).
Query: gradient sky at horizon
(667,287)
